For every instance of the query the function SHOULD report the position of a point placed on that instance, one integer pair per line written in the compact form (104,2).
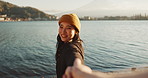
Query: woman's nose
(63,31)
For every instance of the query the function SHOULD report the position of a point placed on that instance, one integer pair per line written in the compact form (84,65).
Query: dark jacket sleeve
(72,53)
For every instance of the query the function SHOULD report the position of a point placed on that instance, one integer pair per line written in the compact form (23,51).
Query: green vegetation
(16,12)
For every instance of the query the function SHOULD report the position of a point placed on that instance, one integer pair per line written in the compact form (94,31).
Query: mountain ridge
(101,8)
(14,11)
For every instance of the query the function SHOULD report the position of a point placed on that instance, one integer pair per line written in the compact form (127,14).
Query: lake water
(27,49)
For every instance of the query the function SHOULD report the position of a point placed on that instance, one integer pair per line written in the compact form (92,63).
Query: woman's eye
(68,28)
(61,27)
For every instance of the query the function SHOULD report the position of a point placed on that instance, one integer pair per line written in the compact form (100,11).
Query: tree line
(14,11)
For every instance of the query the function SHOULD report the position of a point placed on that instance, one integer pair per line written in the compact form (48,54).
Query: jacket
(66,55)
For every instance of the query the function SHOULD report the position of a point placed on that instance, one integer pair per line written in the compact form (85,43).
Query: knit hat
(72,19)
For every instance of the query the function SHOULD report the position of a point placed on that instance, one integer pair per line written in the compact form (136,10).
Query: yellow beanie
(72,19)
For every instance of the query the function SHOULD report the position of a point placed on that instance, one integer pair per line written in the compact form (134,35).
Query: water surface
(27,49)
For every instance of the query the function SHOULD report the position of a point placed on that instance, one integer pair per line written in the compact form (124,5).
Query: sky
(93,8)
(99,8)
(51,6)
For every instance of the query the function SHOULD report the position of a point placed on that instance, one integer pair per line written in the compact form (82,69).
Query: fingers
(70,70)
(64,76)
(77,62)
(67,73)
(80,67)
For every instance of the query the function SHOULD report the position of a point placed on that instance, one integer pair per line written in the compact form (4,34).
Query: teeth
(63,36)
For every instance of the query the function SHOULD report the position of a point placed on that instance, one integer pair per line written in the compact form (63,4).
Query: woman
(69,44)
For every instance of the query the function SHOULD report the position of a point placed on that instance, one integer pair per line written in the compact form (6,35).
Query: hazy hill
(100,8)
(15,11)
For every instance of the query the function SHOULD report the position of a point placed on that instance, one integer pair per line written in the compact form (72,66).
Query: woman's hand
(77,70)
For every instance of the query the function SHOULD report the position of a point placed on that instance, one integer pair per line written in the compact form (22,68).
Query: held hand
(77,70)
(82,71)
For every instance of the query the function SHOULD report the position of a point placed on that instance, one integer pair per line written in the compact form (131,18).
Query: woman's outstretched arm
(79,70)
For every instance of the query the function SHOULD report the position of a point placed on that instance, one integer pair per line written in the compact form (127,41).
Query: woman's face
(66,32)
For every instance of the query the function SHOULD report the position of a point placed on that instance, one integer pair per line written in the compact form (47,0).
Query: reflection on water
(27,49)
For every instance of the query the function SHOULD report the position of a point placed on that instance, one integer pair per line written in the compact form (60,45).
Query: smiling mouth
(63,36)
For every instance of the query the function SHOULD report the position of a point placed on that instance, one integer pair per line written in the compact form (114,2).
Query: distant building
(3,17)
(53,18)
(8,19)
(87,18)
